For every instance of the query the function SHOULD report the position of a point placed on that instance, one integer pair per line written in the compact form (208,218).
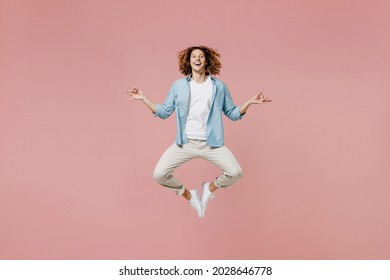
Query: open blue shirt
(178,99)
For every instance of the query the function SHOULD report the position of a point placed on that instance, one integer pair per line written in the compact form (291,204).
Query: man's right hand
(135,93)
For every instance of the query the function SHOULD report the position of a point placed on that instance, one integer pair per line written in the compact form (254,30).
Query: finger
(263,100)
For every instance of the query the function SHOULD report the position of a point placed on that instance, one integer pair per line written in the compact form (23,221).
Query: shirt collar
(188,78)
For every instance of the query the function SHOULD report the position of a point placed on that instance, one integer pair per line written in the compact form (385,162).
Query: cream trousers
(176,155)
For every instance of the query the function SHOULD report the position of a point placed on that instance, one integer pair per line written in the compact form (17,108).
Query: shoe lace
(193,204)
(210,196)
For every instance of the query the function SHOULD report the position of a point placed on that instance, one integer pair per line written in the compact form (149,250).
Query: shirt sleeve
(165,109)
(229,109)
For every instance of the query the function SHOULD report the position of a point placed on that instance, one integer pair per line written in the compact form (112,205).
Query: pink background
(76,157)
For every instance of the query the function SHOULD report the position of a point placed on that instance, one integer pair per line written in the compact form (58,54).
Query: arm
(257,99)
(162,111)
(139,95)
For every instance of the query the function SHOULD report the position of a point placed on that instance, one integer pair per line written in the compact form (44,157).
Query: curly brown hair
(213,65)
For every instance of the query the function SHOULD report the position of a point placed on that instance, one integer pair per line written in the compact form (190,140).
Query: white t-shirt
(200,101)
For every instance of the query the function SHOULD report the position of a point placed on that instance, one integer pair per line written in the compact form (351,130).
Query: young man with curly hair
(199,100)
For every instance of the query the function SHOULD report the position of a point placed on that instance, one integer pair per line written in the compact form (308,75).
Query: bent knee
(236,174)
(160,176)
(239,174)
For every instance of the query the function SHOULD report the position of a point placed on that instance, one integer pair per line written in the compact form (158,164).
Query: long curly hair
(213,65)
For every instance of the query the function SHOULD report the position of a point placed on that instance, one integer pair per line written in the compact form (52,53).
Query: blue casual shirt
(178,99)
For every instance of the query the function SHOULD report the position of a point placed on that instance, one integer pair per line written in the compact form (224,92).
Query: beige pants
(176,155)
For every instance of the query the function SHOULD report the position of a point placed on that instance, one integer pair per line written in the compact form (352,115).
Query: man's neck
(199,77)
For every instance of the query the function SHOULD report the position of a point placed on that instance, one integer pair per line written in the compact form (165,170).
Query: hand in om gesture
(135,93)
(259,99)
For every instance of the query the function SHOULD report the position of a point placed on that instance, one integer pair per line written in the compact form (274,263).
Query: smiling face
(198,61)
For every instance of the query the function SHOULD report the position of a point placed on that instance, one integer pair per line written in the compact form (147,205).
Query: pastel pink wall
(76,157)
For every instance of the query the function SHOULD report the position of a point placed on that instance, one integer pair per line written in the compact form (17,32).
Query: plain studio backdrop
(77,157)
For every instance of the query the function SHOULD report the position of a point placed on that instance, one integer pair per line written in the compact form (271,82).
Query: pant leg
(172,158)
(223,158)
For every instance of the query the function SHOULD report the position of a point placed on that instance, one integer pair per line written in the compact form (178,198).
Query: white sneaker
(206,195)
(195,202)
